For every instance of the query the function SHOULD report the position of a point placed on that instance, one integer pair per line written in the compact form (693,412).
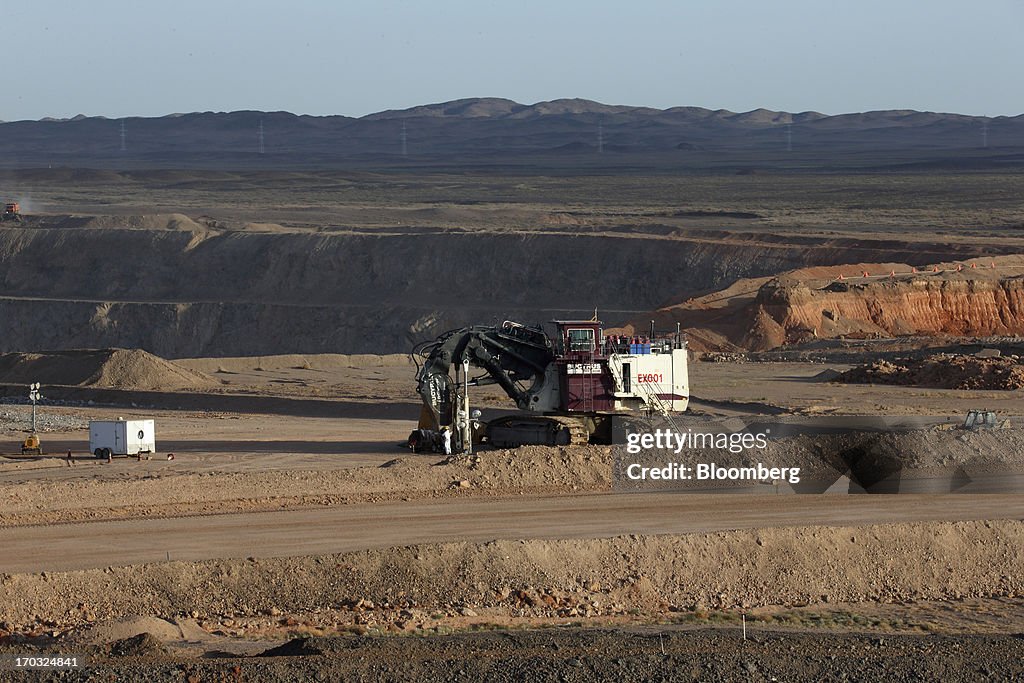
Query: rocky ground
(14,420)
(943,372)
(573,654)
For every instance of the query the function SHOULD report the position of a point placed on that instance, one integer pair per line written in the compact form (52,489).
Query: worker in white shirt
(446,439)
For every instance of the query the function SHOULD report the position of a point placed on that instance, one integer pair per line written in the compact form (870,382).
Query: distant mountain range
(494,133)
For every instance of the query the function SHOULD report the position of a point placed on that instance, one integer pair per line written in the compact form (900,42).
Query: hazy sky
(113,58)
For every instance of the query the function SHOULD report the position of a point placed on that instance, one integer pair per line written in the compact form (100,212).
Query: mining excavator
(12,212)
(571,383)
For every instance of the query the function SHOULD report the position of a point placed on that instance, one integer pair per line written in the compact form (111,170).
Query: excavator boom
(511,355)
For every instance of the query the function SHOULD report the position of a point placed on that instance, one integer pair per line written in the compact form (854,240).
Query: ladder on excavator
(587,383)
(653,403)
(649,393)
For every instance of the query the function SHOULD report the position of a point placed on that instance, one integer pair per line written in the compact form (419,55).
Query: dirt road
(341,529)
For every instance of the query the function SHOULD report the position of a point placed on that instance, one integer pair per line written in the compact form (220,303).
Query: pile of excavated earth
(108,368)
(942,372)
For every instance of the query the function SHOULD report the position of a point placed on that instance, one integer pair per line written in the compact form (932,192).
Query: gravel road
(353,527)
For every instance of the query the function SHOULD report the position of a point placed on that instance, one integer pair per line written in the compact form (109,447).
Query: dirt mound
(112,368)
(126,628)
(765,332)
(827,375)
(142,645)
(297,647)
(137,369)
(942,372)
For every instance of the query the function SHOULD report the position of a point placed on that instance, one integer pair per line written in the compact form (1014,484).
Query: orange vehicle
(12,212)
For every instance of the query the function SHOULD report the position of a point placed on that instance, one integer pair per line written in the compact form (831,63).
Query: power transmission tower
(405,146)
(789,137)
(261,136)
(123,148)
(600,137)
(984,135)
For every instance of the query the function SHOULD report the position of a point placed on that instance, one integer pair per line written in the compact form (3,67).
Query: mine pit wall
(957,307)
(208,293)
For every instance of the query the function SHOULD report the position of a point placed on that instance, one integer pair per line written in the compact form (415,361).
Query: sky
(114,58)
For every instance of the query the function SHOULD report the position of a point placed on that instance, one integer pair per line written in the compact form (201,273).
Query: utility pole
(600,137)
(34,396)
(405,147)
(984,135)
(261,136)
(789,137)
(122,137)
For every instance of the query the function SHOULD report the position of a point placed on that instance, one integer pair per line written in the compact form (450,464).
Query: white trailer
(121,437)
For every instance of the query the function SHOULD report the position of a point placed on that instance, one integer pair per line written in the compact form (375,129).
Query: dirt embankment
(400,588)
(319,361)
(488,474)
(813,303)
(493,473)
(180,288)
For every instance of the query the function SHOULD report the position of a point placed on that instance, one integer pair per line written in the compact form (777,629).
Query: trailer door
(120,441)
